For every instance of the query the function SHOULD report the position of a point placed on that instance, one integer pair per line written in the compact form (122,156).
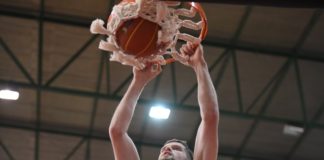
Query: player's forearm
(207,97)
(124,111)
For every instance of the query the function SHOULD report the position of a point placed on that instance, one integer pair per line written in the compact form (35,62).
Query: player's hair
(184,143)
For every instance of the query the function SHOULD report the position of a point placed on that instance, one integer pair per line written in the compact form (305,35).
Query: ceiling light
(293,130)
(159,112)
(9,94)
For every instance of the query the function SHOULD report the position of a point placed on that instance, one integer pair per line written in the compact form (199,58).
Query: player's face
(173,151)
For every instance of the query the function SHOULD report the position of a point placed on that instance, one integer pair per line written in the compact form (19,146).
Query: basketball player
(206,145)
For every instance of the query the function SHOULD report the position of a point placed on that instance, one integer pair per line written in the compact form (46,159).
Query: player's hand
(145,75)
(195,53)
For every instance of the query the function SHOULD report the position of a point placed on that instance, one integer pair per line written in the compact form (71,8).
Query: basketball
(138,37)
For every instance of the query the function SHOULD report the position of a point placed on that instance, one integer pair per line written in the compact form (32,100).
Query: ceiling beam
(234,41)
(103,61)
(95,106)
(300,92)
(123,84)
(108,77)
(32,14)
(6,150)
(307,30)
(75,148)
(39,78)
(145,103)
(16,61)
(276,84)
(237,82)
(254,48)
(306,132)
(174,83)
(71,60)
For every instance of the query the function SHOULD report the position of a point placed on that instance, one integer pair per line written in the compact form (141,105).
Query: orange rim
(204,29)
(203,17)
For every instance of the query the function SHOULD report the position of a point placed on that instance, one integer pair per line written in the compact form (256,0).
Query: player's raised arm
(206,145)
(123,146)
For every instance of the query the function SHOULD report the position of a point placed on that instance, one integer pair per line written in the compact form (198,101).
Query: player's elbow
(115,131)
(211,117)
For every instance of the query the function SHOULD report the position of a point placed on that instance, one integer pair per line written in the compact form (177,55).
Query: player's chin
(166,157)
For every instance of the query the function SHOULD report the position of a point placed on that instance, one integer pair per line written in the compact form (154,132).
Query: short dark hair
(184,143)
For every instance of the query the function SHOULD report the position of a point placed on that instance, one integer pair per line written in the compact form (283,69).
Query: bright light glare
(159,112)
(9,94)
(293,130)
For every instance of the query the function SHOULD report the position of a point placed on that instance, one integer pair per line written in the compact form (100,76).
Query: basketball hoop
(140,32)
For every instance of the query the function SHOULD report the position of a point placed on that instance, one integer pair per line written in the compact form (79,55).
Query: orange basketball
(138,37)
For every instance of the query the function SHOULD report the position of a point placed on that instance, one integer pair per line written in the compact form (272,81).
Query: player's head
(175,150)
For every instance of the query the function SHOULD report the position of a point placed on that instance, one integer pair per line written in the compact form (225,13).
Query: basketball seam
(149,44)
(134,31)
